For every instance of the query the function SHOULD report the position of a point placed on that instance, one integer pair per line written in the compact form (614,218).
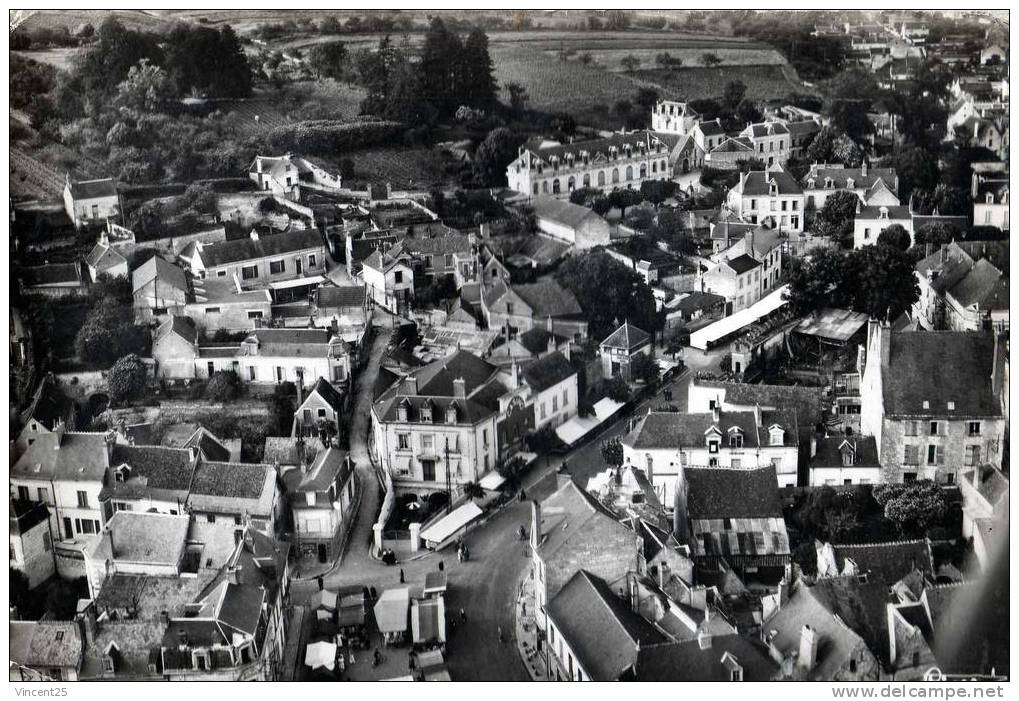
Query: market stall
(391,612)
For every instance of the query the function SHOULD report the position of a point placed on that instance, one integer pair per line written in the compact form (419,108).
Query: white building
(771,198)
(389,279)
(553,381)
(572,223)
(91,201)
(284,175)
(673,117)
(770,140)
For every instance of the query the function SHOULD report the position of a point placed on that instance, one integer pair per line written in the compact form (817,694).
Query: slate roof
(208,445)
(840,176)
(984,285)
(159,268)
(290,342)
(437,245)
(572,506)
(805,401)
(695,301)
(92,189)
(238,250)
(719,492)
(142,537)
(561,211)
(548,371)
(762,129)
(829,451)
(596,147)
(917,373)
(672,429)
(862,606)
(324,469)
(232,487)
(601,629)
(757,183)
(710,128)
(179,325)
(71,457)
(49,404)
(734,144)
(628,337)
(802,127)
(685,661)
(152,469)
(328,393)
(535,340)
(340,297)
(741,263)
(873,212)
(436,378)
(888,562)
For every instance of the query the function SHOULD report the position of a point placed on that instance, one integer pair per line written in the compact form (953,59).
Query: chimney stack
(535,524)
(813,446)
(703,640)
(459,388)
(716,413)
(808,649)
(410,386)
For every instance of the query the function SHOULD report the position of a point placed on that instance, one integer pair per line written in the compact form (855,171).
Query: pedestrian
(401,575)
(460,555)
(463,615)
(375,594)
(502,638)
(442,566)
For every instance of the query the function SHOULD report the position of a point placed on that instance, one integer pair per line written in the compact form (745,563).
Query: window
(398,276)
(44,495)
(311,260)
(736,440)
(46,544)
(542,412)
(484,438)
(973,428)
(95,211)
(427,442)
(566,398)
(736,463)
(934,428)
(935,454)
(866,233)
(23,493)
(249,272)
(210,518)
(911,428)
(403,441)
(713,446)
(449,260)
(555,403)
(86,526)
(254,314)
(972,455)
(277,266)
(82,500)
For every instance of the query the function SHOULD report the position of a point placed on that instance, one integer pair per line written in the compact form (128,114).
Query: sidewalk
(527,631)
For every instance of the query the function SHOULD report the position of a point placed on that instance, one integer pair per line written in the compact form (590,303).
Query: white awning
(701,338)
(598,481)
(578,427)
(605,408)
(320,654)
(446,527)
(391,610)
(297,282)
(492,481)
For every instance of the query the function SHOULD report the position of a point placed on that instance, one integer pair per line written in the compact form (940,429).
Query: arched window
(654,166)
(615,175)
(643,170)
(571,184)
(535,188)
(587,180)
(629,172)
(544,187)
(601,178)
(555,186)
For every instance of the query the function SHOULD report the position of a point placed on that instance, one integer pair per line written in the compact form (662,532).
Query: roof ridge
(890,542)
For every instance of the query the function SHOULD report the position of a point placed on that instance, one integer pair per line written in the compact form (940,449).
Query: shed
(428,621)
(391,611)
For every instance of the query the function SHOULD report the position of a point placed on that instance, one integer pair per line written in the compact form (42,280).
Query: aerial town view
(507,346)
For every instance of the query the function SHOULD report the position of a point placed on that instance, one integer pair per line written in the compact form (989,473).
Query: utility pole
(449,489)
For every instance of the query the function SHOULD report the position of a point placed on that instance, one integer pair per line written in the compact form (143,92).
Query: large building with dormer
(771,198)
(617,161)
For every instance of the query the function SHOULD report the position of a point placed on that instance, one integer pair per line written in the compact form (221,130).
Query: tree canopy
(837,217)
(126,379)
(608,292)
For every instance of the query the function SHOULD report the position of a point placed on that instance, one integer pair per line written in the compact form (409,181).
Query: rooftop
(91,189)
(548,371)
(628,337)
(137,537)
(718,492)
(561,211)
(237,250)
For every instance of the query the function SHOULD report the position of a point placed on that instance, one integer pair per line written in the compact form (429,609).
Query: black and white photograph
(476,345)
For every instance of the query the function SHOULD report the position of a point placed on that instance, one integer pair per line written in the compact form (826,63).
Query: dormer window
(451,413)
(713,445)
(122,473)
(810,183)
(829,183)
(735,438)
(883,213)
(773,188)
(850,183)
(201,660)
(426,412)
(402,413)
(776,435)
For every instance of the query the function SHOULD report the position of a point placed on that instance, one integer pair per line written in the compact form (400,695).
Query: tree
(615,388)
(830,145)
(837,216)
(623,108)
(735,90)
(657,191)
(623,198)
(564,125)
(518,98)
(936,233)
(127,379)
(329,59)
(748,113)
(916,168)
(201,198)
(473,490)
(630,62)
(667,60)
(895,236)
(493,155)
(710,60)
(612,452)
(107,61)
(326,431)
(644,368)
(477,70)
(145,89)
(884,285)
(913,506)
(601,206)
(850,117)
(607,291)
(224,386)
(819,280)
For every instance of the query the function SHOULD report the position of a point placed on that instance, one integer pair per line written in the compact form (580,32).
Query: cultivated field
(61,59)
(763,82)
(54,19)
(405,168)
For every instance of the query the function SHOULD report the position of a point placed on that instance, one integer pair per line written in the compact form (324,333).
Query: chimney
(703,640)
(885,340)
(749,238)
(460,388)
(410,386)
(679,513)
(863,168)
(300,387)
(550,346)
(757,414)
(813,446)
(535,524)
(808,649)
(515,375)
(663,574)
(716,413)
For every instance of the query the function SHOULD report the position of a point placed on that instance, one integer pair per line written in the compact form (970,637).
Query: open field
(61,59)
(406,168)
(133,19)
(763,82)
(611,59)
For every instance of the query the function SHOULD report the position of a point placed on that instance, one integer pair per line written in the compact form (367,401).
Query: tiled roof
(179,325)
(91,189)
(917,374)
(238,250)
(44,645)
(548,371)
(600,628)
(573,507)
(888,562)
(710,128)
(762,129)
(208,445)
(734,144)
(50,274)
(151,468)
(628,337)
(803,126)
(159,268)
(290,342)
(561,211)
(324,469)
(49,404)
(232,487)
(287,450)
(719,492)
(340,297)
(861,606)
(873,212)
(984,285)
(698,300)
(328,393)
(841,175)
(103,257)
(437,245)
(548,298)
(140,537)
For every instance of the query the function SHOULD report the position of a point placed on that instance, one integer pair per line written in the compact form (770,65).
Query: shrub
(224,386)
(127,378)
